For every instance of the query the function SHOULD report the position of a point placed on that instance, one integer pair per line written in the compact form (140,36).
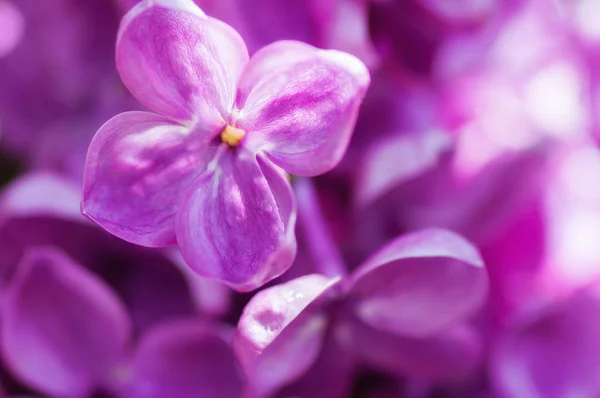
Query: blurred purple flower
(204,172)
(404,311)
(335,24)
(58,79)
(185,359)
(149,282)
(399,135)
(51,340)
(63,330)
(11,27)
(553,351)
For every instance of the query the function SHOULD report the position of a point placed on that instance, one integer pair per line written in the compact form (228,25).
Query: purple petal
(452,353)
(139,165)
(62,329)
(41,194)
(461,11)
(347,28)
(281,332)
(209,296)
(236,224)
(12,27)
(185,359)
(331,375)
(553,353)
(304,127)
(420,284)
(262,22)
(152,287)
(178,62)
(381,170)
(32,209)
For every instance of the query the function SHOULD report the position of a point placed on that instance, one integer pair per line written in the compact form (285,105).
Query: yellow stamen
(232,135)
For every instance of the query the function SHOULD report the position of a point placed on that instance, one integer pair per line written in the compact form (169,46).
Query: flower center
(232,135)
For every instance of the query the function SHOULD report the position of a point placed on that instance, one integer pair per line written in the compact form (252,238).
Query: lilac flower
(552,351)
(36,206)
(58,78)
(403,311)
(185,358)
(408,140)
(205,171)
(68,290)
(63,330)
(337,24)
(11,31)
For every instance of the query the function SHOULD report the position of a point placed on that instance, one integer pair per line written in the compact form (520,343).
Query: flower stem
(315,232)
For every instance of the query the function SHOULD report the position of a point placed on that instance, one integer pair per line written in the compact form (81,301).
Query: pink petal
(209,296)
(381,171)
(420,284)
(553,352)
(331,376)
(185,359)
(62,329)
(139,165)
(452,353)
(299,104)
(461,11)
(12,28)
(262,22)
(178,62)
(236,224)
(41,193)
(281,332)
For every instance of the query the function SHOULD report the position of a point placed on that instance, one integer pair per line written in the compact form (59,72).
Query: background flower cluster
(441,241)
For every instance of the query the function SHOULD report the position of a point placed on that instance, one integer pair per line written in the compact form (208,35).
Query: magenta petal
(331,375)
(185,359)
(420,283)
(12,28)
(381,169)
(41,193)
(62,329)
(280,333)
(451,353)
(236,224)
(553,353)
(299,104)
(138,168)
(178,62)
(209,296)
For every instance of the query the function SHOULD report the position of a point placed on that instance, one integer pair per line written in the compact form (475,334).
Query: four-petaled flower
(206,171)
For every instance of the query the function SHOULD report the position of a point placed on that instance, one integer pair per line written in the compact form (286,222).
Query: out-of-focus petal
(299,104)
(32,209)
(138,168)
(185,359)
(41,193)
(281,331)
(262,22)
(236,224)
(178,62)
(395,159)
(451,353)
(420,283)
(330,376)
(461,11)
(62,329)
(210,297)
(346,28)
(552,353)
(152,287)
(12,27)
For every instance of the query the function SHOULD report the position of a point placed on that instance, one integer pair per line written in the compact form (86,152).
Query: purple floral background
(300,198)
